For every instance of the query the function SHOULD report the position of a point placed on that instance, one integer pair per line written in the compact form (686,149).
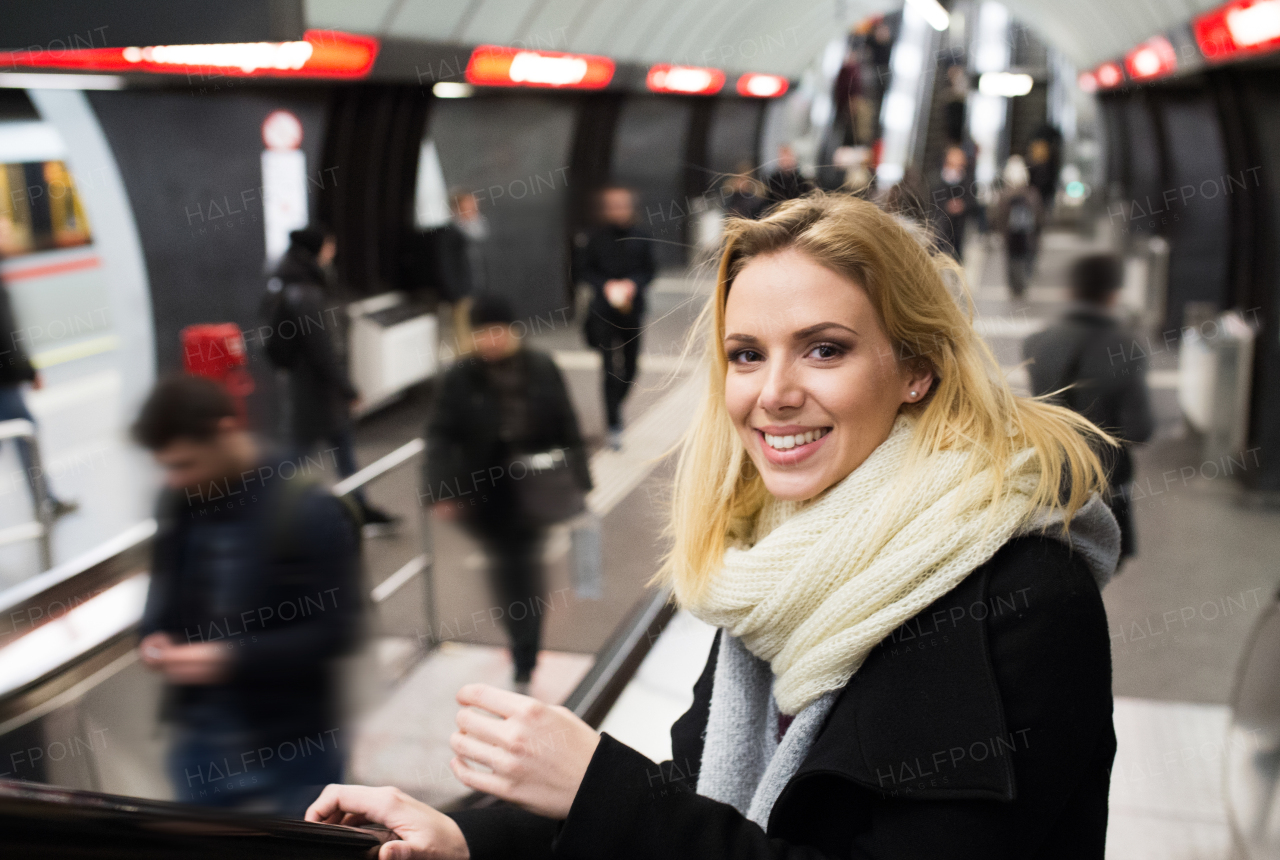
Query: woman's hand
(538,752)
(421,832)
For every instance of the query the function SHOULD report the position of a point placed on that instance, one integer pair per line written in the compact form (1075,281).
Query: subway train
(153,165)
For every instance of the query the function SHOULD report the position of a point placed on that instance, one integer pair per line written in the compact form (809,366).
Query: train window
(39,208)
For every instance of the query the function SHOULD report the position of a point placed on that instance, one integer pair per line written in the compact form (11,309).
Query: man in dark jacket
(254,591)
(15,369)
(618,264)
(502,403)
(953,200)
(308,338)
(1092,351)
(786,182)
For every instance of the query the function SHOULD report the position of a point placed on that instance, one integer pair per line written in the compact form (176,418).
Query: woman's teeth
(782,443)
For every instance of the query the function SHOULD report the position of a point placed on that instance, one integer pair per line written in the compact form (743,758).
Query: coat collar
(922,717)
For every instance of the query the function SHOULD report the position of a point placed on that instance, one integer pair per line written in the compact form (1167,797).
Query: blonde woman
(904,562)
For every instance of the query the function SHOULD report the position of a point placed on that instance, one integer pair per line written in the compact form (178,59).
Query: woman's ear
(918,381)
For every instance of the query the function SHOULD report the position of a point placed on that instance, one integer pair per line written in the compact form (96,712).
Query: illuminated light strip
(1151,59)
(322,54)
(684,80)
(90,262)
(1108,75)
(762,86)
(498,66)
(73,351)
(1243,27)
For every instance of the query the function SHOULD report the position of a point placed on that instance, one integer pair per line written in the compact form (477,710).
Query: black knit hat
(308,238)
(491,309)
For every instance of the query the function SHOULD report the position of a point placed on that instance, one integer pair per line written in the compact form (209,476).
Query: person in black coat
(786,182)
(617,262)
(1094,356)
(503,403)
(254,592)
(309,338)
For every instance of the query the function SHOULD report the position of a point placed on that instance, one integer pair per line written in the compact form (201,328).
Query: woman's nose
(782,389)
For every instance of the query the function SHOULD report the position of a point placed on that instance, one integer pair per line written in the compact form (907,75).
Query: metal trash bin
(1215,367)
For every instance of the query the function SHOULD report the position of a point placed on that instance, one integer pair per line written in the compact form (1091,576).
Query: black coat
(466,458)
(611,253)
(980,728)
(321,389)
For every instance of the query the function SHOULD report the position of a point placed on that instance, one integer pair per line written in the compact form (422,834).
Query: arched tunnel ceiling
(777,36)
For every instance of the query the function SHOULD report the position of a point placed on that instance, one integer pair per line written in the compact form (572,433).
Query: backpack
(282,352)
(1022,218)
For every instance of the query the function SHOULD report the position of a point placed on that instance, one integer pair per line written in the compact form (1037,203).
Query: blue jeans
(13,406)
(229,767)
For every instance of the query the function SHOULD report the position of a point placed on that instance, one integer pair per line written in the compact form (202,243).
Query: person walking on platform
(496,415)
(953,200)
(617,262)
(16,369)
(1019,216)
(308,339)
(913,658)
(462,261)
(786,182)
(254,592)
(1086,361)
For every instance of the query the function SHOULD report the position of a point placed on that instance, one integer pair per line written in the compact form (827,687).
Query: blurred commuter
(617,262)
(496,415)
(1043,167)
(254,592)
(909,198)
(1020,217)
(463,260)
(786,182)
(1088,353)
(854,165)
(307,321)
(955,102)
(953,200)
(742,195)
(913,658)
(16,369)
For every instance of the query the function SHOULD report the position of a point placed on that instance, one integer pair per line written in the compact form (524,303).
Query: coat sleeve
(446,431)
(570,435)
(1052,664)
(629,808)
(1137,421)
(505,832)
(592,272)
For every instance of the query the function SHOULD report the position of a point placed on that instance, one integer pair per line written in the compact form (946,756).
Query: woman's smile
(788,445)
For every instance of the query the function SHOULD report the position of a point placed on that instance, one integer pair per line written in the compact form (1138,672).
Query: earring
(913,394)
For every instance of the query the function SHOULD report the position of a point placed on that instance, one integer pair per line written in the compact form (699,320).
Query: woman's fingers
(339,803)
(476,780)
(504,703)
(469,747)
(486,728)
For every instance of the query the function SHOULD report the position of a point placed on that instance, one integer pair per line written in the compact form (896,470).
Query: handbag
(547,491)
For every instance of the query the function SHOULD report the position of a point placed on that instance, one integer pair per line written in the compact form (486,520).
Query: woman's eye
(744,356)
(827,351)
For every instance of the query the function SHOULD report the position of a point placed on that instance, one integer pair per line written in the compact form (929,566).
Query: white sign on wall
(284,182)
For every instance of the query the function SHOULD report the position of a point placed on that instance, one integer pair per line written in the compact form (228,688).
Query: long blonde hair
(969,406)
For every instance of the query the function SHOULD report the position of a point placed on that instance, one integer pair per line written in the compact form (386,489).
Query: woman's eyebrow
(810,331)
(742,338)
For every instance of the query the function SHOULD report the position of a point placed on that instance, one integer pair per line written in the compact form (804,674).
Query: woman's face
(813,384)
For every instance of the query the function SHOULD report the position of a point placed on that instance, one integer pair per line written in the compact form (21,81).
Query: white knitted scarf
(812,594)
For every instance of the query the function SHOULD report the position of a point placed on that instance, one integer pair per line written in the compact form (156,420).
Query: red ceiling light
(1087,82)
(321,54)
(497,66)
(684,80)
(1108,75)
(1242,27)
(1152,59)
(761,86)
